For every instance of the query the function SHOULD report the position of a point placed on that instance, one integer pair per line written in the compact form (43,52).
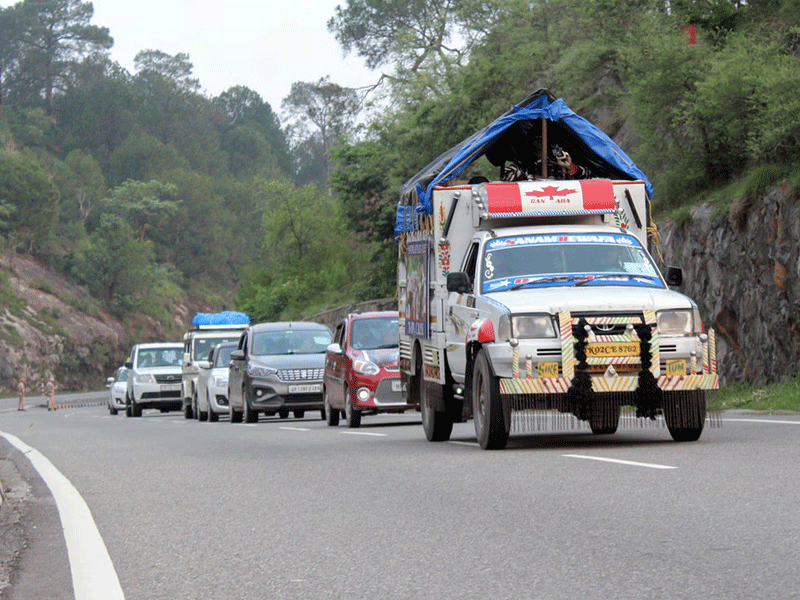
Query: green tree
(148,206)
(34,198)
(57,35)
(175,68)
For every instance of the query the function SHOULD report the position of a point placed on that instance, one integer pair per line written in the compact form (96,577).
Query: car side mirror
(237,355)
(459,282)
(128,365)
(334,348)
(203,364)
(674,276)
(109,382)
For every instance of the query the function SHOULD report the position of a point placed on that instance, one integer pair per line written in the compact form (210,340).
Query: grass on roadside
(778,397)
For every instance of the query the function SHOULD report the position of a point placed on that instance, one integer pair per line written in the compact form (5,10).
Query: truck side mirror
(187,358)
(674,276)
(459,282)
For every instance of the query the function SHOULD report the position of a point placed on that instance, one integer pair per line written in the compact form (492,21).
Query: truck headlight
(525,327)
(675,322)
(365,367)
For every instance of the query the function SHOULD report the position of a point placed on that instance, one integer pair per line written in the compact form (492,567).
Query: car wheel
(249,415)
(299,414)
(685,414)
(128,403)
(491,415)
(212,416)
(283,414)
(330,414)
(136,409)
(351,415)
(112,410)
(201,415)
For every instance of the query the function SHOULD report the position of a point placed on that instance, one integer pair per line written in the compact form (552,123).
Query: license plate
(612,349)
(309,388)
(171,388)
(397,386)
(547,370)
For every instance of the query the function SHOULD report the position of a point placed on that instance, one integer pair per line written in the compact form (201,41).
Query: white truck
(534,297)
(208,330)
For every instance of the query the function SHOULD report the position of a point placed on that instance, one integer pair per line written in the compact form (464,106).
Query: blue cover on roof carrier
(226,317)
(513,137)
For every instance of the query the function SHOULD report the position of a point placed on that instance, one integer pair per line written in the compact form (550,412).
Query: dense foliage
(146,191)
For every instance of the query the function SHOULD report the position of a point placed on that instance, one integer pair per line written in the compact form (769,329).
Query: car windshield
(159,357)
(369,334)
(291,341)
(223,358)
(201,347)
(551,260)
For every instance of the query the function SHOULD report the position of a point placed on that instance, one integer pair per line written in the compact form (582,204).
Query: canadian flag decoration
(550,197)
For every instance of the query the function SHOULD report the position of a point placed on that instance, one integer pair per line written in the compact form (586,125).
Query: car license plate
(171,388)
(612,349)
(310,388)
(397,386)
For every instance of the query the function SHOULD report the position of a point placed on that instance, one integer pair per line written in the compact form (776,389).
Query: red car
(361,370)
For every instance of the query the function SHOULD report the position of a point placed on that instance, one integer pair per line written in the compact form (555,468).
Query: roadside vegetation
(776,398)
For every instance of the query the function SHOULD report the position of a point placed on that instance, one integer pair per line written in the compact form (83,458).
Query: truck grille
(300,374)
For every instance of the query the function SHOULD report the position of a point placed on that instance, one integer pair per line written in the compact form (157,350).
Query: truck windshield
(566,260)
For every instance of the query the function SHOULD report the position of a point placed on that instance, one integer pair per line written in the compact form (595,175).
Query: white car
(211,393)
(155,378)
(117,386)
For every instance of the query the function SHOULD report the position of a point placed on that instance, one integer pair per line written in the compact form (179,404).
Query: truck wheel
(330,414)
(492,416)
(605,418)
(437,425)
(685,414)
(351,415)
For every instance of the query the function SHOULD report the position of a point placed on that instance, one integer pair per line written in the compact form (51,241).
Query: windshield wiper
(542,280)
(609,276)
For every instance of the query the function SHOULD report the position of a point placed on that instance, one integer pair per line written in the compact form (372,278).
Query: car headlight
(675,322)
(144,378)
(260,371)
(365,367)
(526,327)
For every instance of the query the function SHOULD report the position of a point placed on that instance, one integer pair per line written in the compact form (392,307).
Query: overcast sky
(265,45)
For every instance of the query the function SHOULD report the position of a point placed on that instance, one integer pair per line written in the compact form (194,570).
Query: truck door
(460,314)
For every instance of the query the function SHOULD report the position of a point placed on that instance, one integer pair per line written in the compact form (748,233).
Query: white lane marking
(765,421)
(620,462)
(294,428)
(462,443)
(93,574)
(362,433)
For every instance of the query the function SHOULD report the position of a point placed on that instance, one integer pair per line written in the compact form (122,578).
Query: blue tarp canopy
(515,137)
(226,317)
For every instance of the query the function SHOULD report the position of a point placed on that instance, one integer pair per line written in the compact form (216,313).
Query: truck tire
(685,414)
(331,414)
(492,416)
(605,418)
(437,425)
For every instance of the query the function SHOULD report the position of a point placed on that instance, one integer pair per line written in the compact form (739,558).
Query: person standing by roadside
(21,389)
(50,389)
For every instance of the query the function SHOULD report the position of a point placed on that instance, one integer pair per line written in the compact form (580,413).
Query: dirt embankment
(57,328)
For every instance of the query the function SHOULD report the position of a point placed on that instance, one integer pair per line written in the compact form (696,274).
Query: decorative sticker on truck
(516,262)
(417,299)
(550,198)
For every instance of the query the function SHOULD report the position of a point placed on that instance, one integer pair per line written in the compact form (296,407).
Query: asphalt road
(295,509)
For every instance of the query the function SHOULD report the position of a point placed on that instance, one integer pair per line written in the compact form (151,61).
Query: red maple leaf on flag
(551,192)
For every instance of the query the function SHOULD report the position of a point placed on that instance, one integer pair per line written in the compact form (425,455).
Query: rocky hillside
(742,266)
(49,325)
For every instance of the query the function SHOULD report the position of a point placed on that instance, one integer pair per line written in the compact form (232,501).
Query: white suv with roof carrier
(154,380)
